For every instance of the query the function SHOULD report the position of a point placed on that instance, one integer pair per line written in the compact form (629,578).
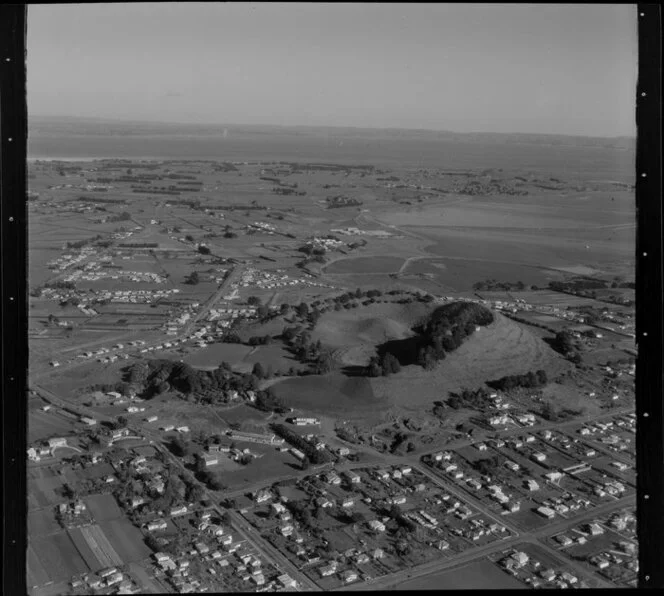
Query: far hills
(48,126)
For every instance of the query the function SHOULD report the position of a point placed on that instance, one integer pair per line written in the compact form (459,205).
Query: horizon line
(319,126)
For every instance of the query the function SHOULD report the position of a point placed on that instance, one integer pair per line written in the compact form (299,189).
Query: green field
(126,539)
(58,556)
(461,273)
(212,356)
(329,394)
(481,575)
(42,425)
(366,265)
(103,507)
(42,522)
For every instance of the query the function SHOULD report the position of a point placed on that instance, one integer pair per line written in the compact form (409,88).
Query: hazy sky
(564,69)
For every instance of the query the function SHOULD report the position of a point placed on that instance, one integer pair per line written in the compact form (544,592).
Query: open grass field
(480,575)
(461,273)
(243,414)
(103,507)
(126,540)
(330,394)
(42,425)
(41,492)
(274,355)
(272,465)
(42,522)
(58,556)
(376,264)
(212,356)
(369,325)
(35,571)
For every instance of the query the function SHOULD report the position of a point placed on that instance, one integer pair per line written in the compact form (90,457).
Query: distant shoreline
(74,159)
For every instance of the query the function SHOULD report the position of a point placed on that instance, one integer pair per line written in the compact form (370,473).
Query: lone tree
(390,364)
(192,279)
(374,368)
(258,371)
(324,362)
(204,250)
(253,300)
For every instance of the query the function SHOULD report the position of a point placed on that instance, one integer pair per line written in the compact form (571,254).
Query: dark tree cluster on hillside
(267,401)
(467,398)
(447,327)
(290,333)
(164,375)
(564,343)
(260,340)
(442,332)
(383,365)
(529,380)
(231,338)
(308,351)
(316,456)
(492,285)
(82,243)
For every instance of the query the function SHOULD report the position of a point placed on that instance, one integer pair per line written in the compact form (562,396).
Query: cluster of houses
(178,318)
(66,261)
(110,580)
(352,231)
(547,508)
(45,449)
(502,419)
(623,553)
(73,513)
(122,235)
(608,433)
(396,485)
(622,521)
(324,243)
(217,554)
(270,439)
(271,279)
(95,273)
(225,316)
(262,226)
(533,573)
(134,296)
(621,322)
(444,460)
(113,353)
